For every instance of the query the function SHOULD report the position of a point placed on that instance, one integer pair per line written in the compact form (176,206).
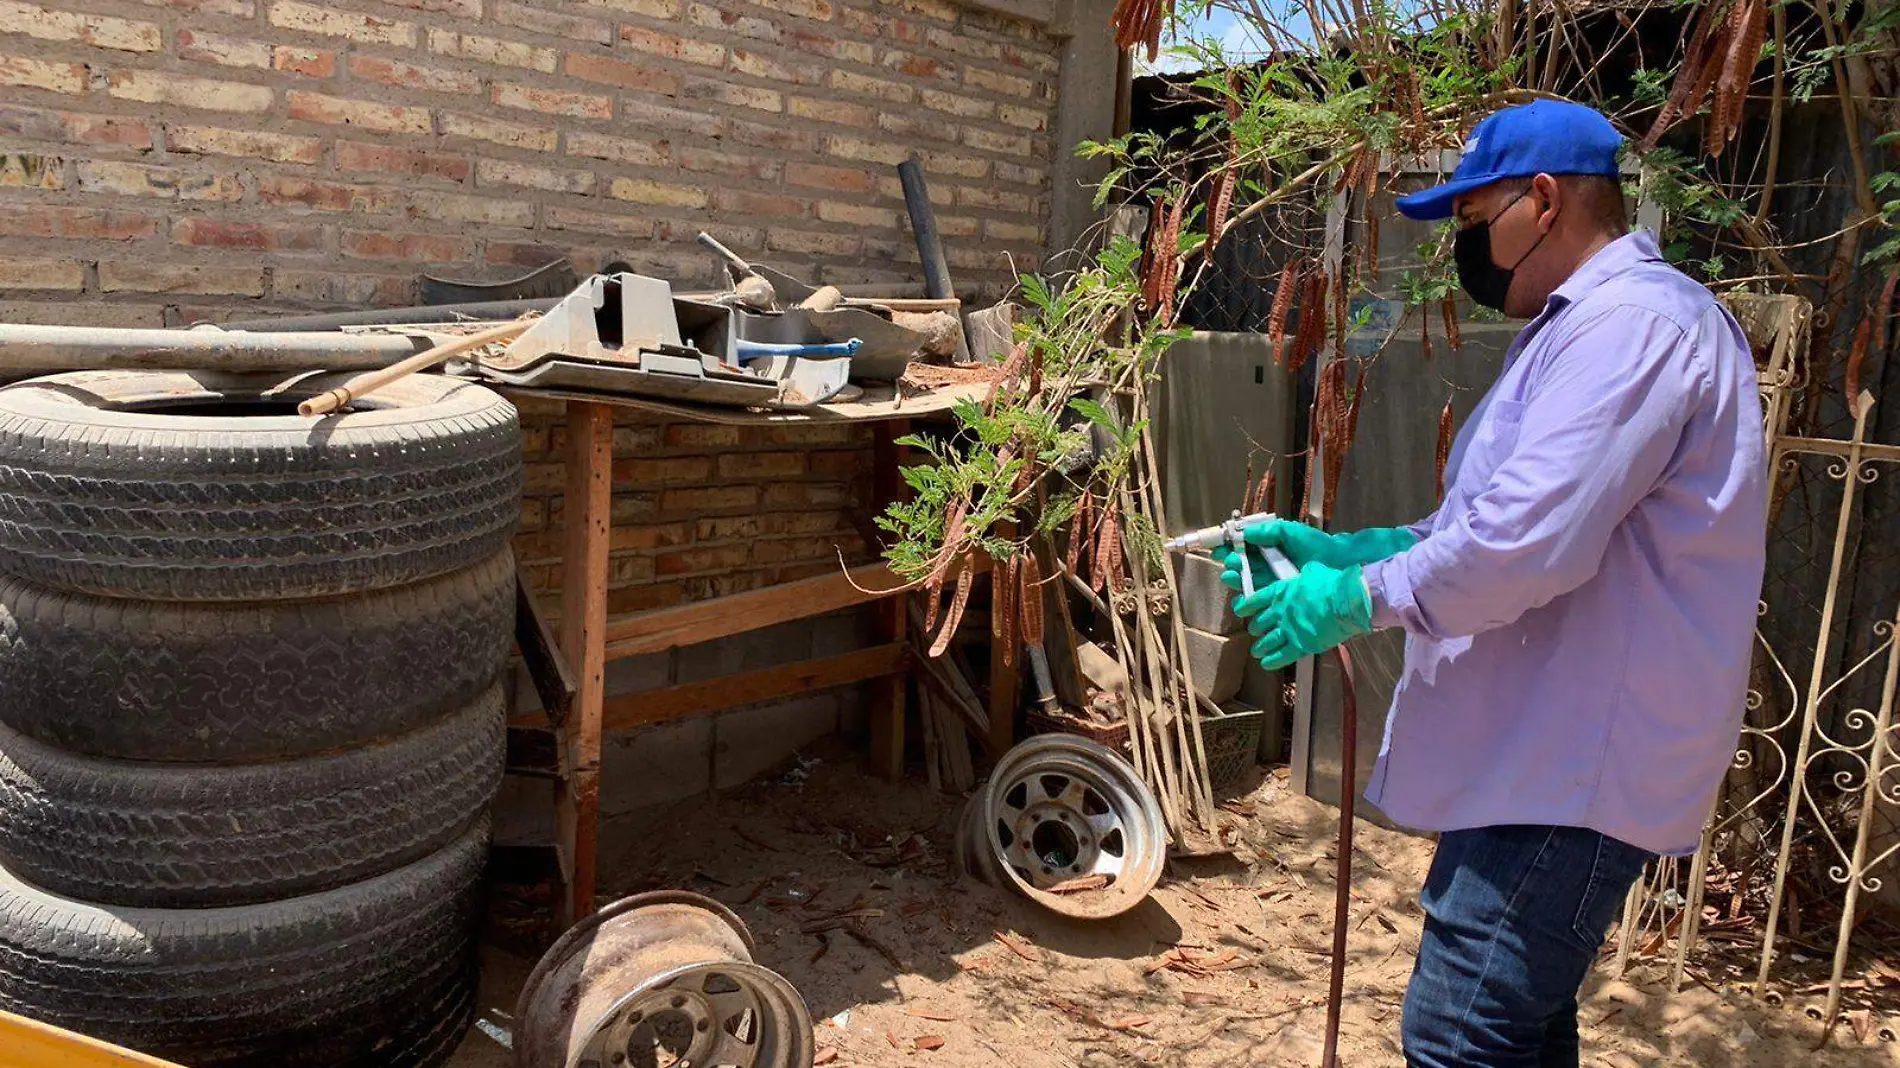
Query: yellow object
(28,1043)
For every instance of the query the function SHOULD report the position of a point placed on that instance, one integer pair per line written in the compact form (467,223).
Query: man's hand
(1306,615)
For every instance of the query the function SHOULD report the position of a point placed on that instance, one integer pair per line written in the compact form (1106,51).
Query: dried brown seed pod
(1443,455)
(1031,599)
(953,618)
(1290,280)
(1449,309)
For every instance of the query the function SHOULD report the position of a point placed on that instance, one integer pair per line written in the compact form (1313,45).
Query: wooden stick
(912,304)
(370,381)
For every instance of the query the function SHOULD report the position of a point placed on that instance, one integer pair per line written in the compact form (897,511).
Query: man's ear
(1548,193)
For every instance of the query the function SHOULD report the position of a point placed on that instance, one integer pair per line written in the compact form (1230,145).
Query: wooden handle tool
(370,381)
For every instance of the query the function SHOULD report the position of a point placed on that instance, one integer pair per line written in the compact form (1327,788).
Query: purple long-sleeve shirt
(1580,612)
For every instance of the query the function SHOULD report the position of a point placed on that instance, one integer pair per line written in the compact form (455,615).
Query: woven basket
(1115,736)
(1232,742)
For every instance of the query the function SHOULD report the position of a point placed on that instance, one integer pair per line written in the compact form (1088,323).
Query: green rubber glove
(1307,615)
(1309,545)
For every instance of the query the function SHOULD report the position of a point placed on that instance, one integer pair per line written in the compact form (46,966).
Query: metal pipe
(1342,877)
(923,223)
(438,313)
(37,350)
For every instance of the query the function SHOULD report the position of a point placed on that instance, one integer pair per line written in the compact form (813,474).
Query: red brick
(310,62)
(812,495)
(817,436)
(242,9)
(833,211)
(819,44)
(625,75)
(671,46)
(494,50)
(629,507)
(645,472)
(958,225)
(940,10)
(913,126)
(77,223)
(811,244)
(362,114)
(411,76)
(796,550)
(627,599)
(731,22)
(974,196)
(466,9)
(224,51)
(381,159)
(725,584)
(324,196)
(479,211)
(1016,145)
(141,180)
(1018,232)
(552,101)
(564,218)
(1021,175)
(664,194)
(625,569)
(721,91)
(819,10)
(618,149)
(532,176)
(694,158)
(956,166)
(512,134)
(914,65)
(140,277)
(839,179)
(699,561)
(42,275)
(782,137)
(31,170)
(333,22)
(209,140)
(1004,84)
(754,65)
(651,536)
(761,465)
(415,248)
(741,202)
(28,73)
(99,31)
(705,436)
(566,27)
(708,500)
(833,111)
(858,148)
(967,107)
(520,254)
(641,114)
(840,464)
(329,287)
(45,124)
(864,85)
(1034,119)
(962,44)
(256,237)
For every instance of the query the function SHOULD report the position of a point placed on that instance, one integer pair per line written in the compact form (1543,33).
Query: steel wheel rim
(706,1015)
(1060,808)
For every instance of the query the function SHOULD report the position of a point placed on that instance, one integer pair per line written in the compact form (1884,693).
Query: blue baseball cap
(1542,137)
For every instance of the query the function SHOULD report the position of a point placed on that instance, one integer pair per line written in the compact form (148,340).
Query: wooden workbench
(589,638)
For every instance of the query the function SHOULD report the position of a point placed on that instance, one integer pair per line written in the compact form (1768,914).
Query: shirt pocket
(1491,445)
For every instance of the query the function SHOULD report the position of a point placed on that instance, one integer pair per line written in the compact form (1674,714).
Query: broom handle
(370,381)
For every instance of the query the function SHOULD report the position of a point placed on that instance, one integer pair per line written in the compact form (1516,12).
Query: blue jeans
(1514,916)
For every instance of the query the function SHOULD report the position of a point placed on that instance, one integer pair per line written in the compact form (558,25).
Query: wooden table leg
(588,511)
(887,695)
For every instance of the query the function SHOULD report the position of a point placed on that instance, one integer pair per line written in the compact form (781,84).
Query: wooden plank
(589,508)
(547,668)
(887,698)
(722,617)
(754,687)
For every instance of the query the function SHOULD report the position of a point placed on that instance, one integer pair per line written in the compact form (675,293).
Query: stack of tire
(250,712)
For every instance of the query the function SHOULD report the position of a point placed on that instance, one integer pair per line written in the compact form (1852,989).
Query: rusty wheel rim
(714,1015)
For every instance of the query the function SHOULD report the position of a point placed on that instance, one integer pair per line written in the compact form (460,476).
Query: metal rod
(31,350)
(411,316)
(1342,889)
(923,223)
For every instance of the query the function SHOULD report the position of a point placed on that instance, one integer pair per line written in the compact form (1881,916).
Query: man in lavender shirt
(1579,611)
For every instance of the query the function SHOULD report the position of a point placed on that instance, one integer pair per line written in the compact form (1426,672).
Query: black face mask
(1488,283)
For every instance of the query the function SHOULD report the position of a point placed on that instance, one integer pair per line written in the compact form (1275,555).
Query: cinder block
(781,644)
(1217,662)
(752,741)
(1205,604)
(654,765)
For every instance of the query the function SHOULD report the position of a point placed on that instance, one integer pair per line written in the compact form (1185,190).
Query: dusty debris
(1017,946)
(928,1042)
(930,1014)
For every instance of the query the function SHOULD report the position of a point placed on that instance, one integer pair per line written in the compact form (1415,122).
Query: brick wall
(163,161)
(702,510)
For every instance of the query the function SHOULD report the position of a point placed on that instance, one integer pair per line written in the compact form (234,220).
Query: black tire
(179,836)
(112,482)
(225,683)
(377,973)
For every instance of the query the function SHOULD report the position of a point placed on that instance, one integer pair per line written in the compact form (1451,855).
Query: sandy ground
(1226,964)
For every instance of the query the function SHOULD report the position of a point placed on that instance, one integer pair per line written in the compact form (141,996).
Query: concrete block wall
(166,161)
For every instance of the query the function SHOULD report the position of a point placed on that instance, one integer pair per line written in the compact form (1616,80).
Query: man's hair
(1600,198)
